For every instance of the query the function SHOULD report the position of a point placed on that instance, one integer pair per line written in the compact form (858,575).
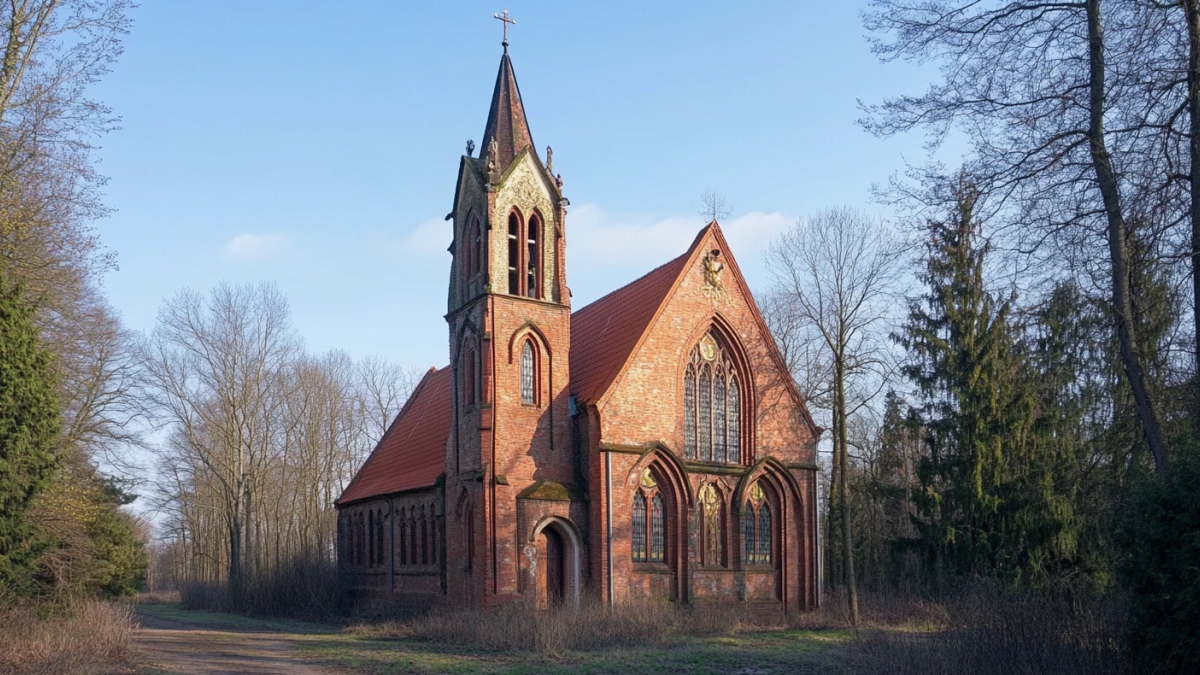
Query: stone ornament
(713,289)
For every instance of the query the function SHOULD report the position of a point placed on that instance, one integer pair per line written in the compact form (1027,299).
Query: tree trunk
(840,442)
(1106,179)
(1191,10)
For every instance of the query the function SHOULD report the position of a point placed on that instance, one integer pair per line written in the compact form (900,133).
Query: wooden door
(551,568)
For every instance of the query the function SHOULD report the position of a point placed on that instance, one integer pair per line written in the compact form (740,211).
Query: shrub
(1161,538)
(82,638)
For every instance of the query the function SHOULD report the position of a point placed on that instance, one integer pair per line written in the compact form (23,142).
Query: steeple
(506,123)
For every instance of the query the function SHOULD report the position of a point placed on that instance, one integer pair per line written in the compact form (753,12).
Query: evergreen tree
(987,502)
(29,424)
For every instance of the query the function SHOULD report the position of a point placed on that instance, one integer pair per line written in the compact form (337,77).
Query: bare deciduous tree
(836,275)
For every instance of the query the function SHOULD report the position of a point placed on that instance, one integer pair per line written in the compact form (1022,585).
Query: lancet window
(403,538)
(528,373)
(533,258)
(712,405)
(757,530)
(648,525)
(525,255)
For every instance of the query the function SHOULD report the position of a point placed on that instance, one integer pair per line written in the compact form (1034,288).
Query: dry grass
(82,638)
(591,626)
(992,631)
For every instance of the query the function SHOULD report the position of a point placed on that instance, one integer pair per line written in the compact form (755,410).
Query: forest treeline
(1009,367)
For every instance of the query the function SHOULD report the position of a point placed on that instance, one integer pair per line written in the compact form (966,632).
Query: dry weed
(84,637)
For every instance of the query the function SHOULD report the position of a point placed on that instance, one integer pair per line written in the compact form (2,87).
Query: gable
(642,402)
(412,453)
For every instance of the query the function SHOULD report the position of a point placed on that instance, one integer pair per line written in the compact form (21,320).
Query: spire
(506,124)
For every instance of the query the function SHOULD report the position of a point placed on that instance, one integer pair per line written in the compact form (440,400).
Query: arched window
(712,405)
(711,530)
(514,254)
(412,537)
(403,538)
(756,528)
(528,374)
(371,538)
(361,535)
(469,376)
(424,538)
(657,534)
(475,257)
(433,538)
(639,527)
(380,552)
(764,534)
(533,282)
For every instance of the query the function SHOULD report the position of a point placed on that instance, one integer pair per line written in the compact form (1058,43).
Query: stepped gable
(412,453)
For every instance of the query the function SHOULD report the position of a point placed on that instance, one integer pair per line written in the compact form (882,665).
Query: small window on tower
(528,374)
(534,259)
(514,253)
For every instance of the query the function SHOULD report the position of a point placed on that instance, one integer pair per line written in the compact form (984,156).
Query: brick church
(650,444)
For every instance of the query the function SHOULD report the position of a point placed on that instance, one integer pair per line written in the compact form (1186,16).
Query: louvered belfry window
(528,374)
(712,405)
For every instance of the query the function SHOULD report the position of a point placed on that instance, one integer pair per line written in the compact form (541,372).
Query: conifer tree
(987,502)
(29,423)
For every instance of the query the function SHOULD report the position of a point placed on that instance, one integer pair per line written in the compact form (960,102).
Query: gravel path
(173,646)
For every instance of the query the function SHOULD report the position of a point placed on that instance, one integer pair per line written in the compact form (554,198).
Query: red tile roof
(412,453)
(605,333)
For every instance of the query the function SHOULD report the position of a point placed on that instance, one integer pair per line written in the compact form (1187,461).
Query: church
(649,445)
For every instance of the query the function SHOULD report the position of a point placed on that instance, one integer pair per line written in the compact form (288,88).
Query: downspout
(609,525)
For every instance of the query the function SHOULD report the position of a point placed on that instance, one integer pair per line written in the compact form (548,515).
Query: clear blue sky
(315,144)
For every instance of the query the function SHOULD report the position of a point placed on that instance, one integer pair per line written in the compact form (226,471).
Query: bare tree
(1073,111)
(838,272)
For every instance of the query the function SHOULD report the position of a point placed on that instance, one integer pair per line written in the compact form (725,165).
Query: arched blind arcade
(712,405)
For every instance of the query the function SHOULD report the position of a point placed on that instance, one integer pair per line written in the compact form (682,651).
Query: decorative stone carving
(550,160)
(470,147)
(713,289)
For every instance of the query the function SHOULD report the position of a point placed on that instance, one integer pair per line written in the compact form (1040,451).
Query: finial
(550,160)
(470,147)
(504,18)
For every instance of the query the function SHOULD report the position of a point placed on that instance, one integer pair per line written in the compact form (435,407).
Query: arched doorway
(556,566)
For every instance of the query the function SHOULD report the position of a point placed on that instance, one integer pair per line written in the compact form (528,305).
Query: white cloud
(249,246)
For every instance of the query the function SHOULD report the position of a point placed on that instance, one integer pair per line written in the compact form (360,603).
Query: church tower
(509,320)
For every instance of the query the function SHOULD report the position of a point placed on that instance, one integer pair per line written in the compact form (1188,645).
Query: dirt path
(176,646)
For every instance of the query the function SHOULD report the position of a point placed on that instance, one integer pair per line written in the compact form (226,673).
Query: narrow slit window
(379,556)
(657,534)
(412,537)
(424,539)
(528,374)
(403,539)
(514,254)
(433,538)
(639,527)
(371,538)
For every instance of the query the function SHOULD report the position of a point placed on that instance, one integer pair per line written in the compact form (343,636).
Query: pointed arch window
(757,532)
(712,405)
(533,257)
(711,527)
(379,537)
(514,254)
(433,535)
(370,538)
(403,539)
(528,374)
(424,538)
(639,527)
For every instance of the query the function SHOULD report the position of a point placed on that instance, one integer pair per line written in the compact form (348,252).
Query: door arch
(554,562)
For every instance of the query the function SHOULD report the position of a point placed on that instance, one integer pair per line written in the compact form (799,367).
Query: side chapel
(650,444)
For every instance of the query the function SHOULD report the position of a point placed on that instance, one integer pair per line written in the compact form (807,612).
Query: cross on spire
(506,21)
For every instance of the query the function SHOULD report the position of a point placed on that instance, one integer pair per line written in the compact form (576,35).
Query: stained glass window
(527,374)
(689,413)
(735,421)
(719,449)
(748,549)
(705,421)
(639,527)
(764,533)
(657,543)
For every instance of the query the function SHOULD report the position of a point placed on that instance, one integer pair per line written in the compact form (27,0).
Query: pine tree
(987,502)
(29,424)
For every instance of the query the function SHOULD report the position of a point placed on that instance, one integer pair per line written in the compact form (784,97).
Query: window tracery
(712,405)
(639,527)
(757,533)
(648,534)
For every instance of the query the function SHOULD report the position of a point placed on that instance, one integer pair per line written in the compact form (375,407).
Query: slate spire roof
(506,119)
